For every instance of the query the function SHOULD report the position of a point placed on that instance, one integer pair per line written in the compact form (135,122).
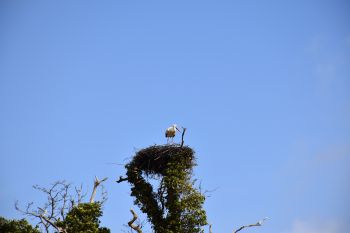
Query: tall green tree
(174,205)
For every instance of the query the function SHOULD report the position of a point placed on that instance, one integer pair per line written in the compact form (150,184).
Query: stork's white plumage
(170,132)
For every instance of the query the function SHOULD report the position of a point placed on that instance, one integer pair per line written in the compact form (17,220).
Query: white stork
(170,132)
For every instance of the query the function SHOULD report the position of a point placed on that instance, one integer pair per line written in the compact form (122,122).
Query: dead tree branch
(61,198)
(59,229)
(55,208)
(259,223)
(96,184)
(131,222)
(45,221)
(80,195)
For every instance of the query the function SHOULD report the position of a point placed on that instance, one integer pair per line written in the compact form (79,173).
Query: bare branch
(259,223)
(210,231)
(96,184)
(46,221)
(64,196)
(80,195)
(104,195)
(59,229)
(130,223)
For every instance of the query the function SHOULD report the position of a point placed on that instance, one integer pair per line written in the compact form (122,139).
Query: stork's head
(175,127)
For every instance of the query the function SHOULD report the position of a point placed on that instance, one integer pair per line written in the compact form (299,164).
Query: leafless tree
(61,198)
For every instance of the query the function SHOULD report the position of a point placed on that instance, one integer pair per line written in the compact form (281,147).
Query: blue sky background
(262,86)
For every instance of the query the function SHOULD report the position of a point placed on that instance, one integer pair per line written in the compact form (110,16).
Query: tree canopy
(16,226)
(171,201)
(83,218)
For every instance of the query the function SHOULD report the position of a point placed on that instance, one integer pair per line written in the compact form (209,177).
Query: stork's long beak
(178,129)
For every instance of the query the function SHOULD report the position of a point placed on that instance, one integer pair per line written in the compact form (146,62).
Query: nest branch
(122,179)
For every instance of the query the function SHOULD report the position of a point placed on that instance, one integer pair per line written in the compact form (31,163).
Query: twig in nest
(182,136)
(121,179)
(131,222)
(259,223)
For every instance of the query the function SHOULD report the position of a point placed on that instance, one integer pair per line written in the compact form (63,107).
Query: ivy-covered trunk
(175,206)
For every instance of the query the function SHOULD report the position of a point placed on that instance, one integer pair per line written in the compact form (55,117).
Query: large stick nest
(154,160)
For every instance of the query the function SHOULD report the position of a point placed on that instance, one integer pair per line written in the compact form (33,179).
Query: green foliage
(176,206)
(16,226)
(84,218)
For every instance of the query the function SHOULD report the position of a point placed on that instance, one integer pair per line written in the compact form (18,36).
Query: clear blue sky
(262,86)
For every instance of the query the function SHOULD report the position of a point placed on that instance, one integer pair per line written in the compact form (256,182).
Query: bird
(170,133)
